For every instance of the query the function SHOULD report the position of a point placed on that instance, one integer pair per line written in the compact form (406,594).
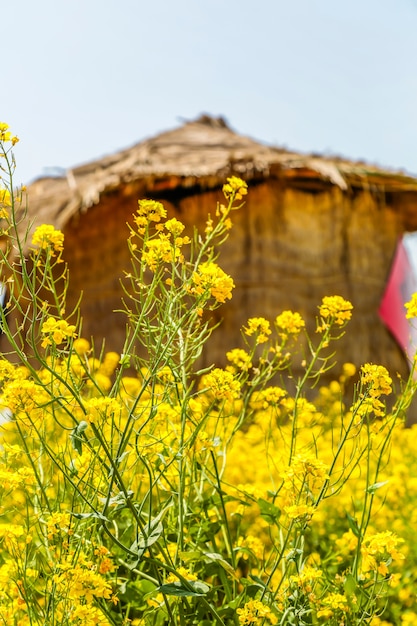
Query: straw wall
(288,248)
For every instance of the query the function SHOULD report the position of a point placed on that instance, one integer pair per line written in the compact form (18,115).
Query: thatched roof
(201,154)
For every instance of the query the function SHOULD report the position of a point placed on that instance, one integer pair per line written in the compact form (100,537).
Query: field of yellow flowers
(135,489)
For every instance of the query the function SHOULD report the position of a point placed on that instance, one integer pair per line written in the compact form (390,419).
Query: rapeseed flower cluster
(9,198)
(6,135)
(260,327)
(48,238)
(289,323)
(5,202)
(56,331)
(136,488)
(255,613)
(221,384)
(331,604)
(334,309)
(235,188)
(375,382)
(211,281)
(411,307)
(144,431)
(379,550)
(159,251)
(151,211)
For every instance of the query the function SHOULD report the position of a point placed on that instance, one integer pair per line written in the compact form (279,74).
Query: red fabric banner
(402,283)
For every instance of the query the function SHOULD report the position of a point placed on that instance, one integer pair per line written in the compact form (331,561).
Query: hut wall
(288,248)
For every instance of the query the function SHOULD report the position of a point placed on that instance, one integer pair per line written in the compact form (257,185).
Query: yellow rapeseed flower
(81,581)
(222,384)
(183,572)
(5,198)
(5,134)
(235,188)
(348,370)
(377,380)
(24,395)
(258,326)
(160,250)
(306,473)
(109,364)
(297,511)
(306,577)
(47,237)
(331,603)
(101,409)
(255,545)
(81,346)
(268,397)
(57,525)
(335,309)
(379,550)
(56,331)
(411,307)
(239,359)
(174,226)
(210,279)
(255,612)
(151,210)
(13,480)
(289,323)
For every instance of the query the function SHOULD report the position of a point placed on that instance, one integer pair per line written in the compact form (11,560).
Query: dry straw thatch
(199,154)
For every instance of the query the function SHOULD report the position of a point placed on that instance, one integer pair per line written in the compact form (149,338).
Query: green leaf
(259,581)
(135,592)
(150,534)
(269,511)
(147,538)
(119,499)
(373,488)
(76,436)
(214,556)
(350,586)
(353,525)
(253,590)
(191,588)
(122,456)
(89,515)
(204,530)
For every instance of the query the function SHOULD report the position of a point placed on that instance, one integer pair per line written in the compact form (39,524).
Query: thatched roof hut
(312,226)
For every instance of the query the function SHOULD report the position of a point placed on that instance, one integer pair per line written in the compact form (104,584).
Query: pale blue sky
(84,78)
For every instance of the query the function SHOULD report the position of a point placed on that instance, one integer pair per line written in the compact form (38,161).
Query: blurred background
(84,78)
